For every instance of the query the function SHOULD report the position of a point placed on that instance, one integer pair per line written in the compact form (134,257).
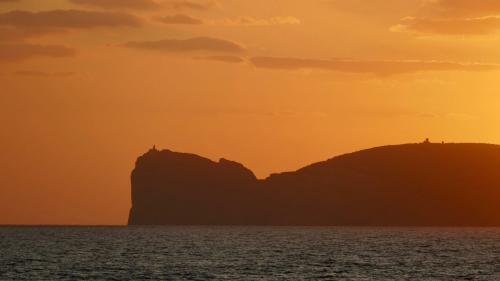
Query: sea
(248,253)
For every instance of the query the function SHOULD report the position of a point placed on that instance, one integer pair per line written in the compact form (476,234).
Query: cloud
(192,5)
(18,25)
(180,19)
(453,17)
(460,8)
(250,21)
(238,21)
(34,73)
(119,4)
(467,26)
(17,52)
(149,4)
(381,68)
(64,19)
(13,34)
(197,44)
(227,59)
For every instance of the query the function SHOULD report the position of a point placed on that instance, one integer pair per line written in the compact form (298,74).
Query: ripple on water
(250,253)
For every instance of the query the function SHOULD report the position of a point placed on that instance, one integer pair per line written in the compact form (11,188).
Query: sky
(87,86)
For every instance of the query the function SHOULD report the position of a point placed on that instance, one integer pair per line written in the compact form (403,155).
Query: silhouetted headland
(422,184)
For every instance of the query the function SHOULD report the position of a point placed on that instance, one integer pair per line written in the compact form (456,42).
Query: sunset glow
(86,86)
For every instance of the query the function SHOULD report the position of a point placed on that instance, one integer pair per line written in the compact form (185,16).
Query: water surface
(249,253)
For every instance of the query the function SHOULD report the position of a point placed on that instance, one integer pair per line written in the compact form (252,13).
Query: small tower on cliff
(153,149)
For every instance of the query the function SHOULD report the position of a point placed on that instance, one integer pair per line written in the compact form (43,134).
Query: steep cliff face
(180,188)
(414,184)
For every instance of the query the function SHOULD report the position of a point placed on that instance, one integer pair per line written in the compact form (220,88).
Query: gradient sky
(86,86)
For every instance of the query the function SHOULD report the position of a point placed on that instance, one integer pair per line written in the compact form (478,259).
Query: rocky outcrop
(179,188)
(404,185)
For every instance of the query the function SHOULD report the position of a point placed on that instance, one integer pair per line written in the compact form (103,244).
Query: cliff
(403,185)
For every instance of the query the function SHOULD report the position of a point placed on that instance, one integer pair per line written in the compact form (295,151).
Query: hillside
(422,184)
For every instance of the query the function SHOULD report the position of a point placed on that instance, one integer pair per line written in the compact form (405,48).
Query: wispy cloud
(17,52)
(119,4)
(180,19)
(197,44)
(382,68)
(237,21)
(226,59)
(466,26)
(453,17)
(192,5)
(17,25)
(460,8)
(35,73)
(251,21)
(14,34)
(67,19)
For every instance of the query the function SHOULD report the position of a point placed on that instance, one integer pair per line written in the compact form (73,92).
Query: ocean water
(248,253)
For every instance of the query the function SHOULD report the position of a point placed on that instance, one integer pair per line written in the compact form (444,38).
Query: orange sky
(86,86)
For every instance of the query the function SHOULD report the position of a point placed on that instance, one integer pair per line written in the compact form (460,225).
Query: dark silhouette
(422,184)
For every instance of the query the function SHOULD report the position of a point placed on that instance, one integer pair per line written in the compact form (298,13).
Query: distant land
(424,184)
